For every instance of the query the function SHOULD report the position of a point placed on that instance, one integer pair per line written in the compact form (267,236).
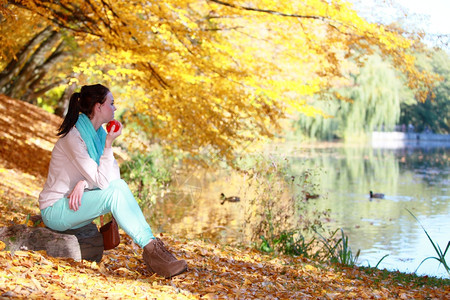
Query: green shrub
(281,216)
(145,178)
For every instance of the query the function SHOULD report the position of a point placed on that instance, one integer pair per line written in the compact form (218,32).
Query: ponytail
(83,102)
(71,117)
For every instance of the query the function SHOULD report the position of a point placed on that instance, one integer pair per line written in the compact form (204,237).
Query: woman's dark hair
(83,102)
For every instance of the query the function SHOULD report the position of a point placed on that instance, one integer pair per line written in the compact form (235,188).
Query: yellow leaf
(309,268)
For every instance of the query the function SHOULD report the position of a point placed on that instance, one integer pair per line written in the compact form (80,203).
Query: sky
(438,12)
(432,16)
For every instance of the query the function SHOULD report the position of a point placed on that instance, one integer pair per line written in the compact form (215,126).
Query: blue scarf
(95,140)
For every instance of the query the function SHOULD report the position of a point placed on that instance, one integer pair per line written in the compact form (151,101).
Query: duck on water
(229,199)
(376,195)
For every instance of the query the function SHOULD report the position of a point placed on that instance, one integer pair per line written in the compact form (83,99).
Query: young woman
(84,180)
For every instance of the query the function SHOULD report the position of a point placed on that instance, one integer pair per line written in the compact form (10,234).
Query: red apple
(111,123)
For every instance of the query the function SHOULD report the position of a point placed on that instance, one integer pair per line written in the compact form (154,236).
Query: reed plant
(378,263)
(440,254)
(338,249)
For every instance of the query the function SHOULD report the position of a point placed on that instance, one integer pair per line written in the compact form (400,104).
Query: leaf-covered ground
(27,135)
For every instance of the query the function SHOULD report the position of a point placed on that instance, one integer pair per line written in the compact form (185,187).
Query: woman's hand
(76,195)
(111,136)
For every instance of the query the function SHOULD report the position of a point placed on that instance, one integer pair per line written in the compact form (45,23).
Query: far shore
(396,140)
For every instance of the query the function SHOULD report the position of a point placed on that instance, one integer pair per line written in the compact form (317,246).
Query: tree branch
(268,11)
(158,78)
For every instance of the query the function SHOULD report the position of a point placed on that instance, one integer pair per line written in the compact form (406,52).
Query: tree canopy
(202,75)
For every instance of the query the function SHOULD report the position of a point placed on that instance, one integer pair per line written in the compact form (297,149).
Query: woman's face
(107,109)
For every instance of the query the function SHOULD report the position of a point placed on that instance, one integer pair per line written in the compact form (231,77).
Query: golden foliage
(23,24)
(217,75)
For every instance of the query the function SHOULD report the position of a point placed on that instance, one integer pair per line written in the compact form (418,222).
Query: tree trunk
(15,65)
(32,94)
(19,86)
(36,87)
(63,102)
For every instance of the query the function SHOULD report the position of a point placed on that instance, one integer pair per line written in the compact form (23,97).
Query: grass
(288,243)
(440,254)
(338,250)
(418,281)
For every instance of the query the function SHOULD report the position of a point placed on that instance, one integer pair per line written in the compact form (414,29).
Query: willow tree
(372,102)
(376,99)
(213,76)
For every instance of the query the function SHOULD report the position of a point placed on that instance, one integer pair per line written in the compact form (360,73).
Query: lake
(414,178)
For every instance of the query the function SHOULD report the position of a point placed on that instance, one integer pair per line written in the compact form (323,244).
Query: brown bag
(110,232)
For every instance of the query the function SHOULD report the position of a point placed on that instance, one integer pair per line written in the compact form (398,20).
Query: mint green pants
(117,199)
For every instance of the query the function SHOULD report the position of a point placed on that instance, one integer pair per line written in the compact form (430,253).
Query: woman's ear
(97,108)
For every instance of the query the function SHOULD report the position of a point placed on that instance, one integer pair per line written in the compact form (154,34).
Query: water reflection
(416,179)
(194,209)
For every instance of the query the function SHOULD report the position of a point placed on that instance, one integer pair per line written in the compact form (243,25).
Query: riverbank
(26,140)
(398,140)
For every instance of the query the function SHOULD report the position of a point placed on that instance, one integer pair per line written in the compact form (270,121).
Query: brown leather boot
(169,256)
(160,261)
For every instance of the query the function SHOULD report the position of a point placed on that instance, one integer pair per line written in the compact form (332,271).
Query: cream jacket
(71,163)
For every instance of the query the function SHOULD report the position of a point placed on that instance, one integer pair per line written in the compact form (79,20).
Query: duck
(311,196)
(229,199)
(376,195)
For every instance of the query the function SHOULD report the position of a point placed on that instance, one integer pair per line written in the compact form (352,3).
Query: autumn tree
(213,76)
(33,50)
